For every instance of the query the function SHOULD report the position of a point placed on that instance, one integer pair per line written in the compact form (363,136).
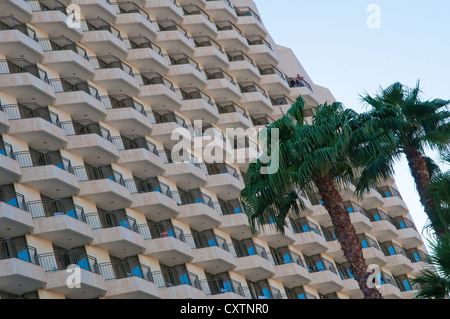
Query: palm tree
(413,125)
(311,158)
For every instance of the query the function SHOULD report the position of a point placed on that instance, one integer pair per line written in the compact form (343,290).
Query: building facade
(89,101)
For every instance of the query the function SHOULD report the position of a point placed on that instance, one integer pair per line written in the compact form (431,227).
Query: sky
(339,51)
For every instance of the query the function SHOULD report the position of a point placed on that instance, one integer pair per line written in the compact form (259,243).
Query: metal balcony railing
(147,185)
(130,7)
(61,260)
(141,42)
(125,269)
(31,110)
(268,69)
(206,41)
(190,10)
(98,24)
(218,73)
(195,196)
(223,168)
(303,225)
(10,249)
(56,207)
(230,207)
(353,207)
(250,249)
(246,12)
(169,117)
(318,264)
(11,23)
(389,191)
(98,172)
(14,66)
(111,219)
(252,87)
(153,78)
(7,150)
(377,214)
(226,25)
(62,44)
(237,55)
(224,285)
(231,107)
(417,255)
(280,100)
(285,257)
(84,127)
(47,5)
(174,278)
(201,240)
(12,198)
(121,101)
(170,25)
(74,84)
(262,120)
(110,62)
(403,223)
(258,40)
(195,94)
(182,59)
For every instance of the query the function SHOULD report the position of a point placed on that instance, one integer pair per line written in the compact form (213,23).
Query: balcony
(393,201)
(273,80)
(116,232)
(250,22)
(35,125)
(231,37)
(4,122)
(56,266)
(261,121)
(196,104)
(97,8)
(175,284)
(224,289)
(351,288)
(245,150)
(372,199)
(145,55)
(51,17)
(185,172)
(242,67)
(19,268)
(253,262)
(139,155)
(113,74)
(274,238)
(48,172)
(324,276)
(128,280)
(407,232)
(165,9)
(255,98)
(15,220)
(221,10)
(290,270)
(18,38)
(17,8)
(221,86)
(167,122)
(309,238)
(9,168)
(382,225)
(419,260)
(397,261)
(185,71)
(198,22)
(235,222)
(261,51)
(153,198)
(211,142)
(200,3)
(168,245)
(213,255)
(127,115)
(158,91)
(61,222)
(198,210)
(102,38)
(390,291)
(224,180)
(78,98)
(359,216)
(22,79)
(103,185)
(209,53)
(282,104)
(91,141)
(232,115)
(174,38)
(134,20)
(67,58)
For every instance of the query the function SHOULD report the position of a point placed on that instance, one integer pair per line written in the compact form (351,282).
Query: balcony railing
(353,207)
(11,23)
(170,25)
(222,286)
(182,59)
(280,100)
(194,197)
(404,223)
(84,127)
(258,40)
(122,101)
(246,250)
(13,249)
(141,42)
(201,241)
(153,78)
(195,94)
(111,219)
(147,185)
(417,255)
(110,62)
(230,207)
(39,158)
(304,226)
(47,5)
(29,111)
(7,150)
(125,269)
(61,260)
(190,10)
(262,120)
(13,66)
(237,55)
(56,207)
(173,278)
(319,264)
(217,73)
(246,12)
(377,214)
(231,107)
(98,24)
(391,249)
(252,87)
(206,41)
(62,44)
(389,191)
(169,117)
(222,168)
(286,257)
(226,25)
(12,198)
(98,172)
(130,7)
(270,69)
(74,84)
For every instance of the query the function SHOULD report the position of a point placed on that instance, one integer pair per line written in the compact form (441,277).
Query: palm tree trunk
(421,175)
(346,234)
